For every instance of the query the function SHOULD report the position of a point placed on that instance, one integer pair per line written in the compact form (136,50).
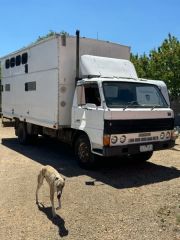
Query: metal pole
(77,54)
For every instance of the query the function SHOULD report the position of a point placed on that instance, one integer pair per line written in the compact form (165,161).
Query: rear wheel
(85,157)
(23,137)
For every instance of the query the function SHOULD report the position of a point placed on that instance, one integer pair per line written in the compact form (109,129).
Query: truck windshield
(128,94)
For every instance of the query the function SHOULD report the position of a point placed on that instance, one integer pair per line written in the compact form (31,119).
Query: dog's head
(59,185)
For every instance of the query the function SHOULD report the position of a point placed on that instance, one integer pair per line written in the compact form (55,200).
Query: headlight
(114,139)
(168,135)
(122,138)
(162,135)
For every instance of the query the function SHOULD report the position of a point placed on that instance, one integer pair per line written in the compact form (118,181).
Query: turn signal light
(106,140)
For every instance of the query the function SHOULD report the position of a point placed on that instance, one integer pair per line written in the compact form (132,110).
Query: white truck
(86,92)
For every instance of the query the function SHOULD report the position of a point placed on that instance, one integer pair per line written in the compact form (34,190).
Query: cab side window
(92,94)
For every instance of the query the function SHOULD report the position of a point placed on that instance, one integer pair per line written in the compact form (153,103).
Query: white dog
(56,183)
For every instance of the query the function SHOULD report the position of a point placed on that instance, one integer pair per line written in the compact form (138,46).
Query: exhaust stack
(77,55)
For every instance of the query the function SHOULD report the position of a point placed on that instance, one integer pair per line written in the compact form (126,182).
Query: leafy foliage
(141,64)
(52,33)
(162,63)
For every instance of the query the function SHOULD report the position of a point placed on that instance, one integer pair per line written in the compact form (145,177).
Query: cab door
(88,113)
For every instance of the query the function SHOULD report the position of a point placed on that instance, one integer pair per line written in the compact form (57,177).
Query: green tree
(52,33)
(141,64)
(165,64)
(162,63)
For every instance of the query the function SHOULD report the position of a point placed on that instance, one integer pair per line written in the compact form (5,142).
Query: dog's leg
(39,184)
(52,200)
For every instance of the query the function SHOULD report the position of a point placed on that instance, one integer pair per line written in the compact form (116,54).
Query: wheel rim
(83,152)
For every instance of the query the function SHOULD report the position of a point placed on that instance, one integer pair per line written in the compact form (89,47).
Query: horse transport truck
(86,92)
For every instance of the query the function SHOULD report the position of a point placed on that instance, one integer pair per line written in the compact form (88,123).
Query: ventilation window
(18,60)
(12,62)
(30,86)
(26,68)
(7,87)
(7,63)
(24,58)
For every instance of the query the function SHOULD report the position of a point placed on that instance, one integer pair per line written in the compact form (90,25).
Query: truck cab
(119,114)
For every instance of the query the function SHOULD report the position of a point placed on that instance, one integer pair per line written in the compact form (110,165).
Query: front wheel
(85,157)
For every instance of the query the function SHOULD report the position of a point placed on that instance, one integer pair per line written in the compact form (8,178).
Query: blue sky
(141,24)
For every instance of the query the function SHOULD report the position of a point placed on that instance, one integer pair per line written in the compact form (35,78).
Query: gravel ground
(118,201)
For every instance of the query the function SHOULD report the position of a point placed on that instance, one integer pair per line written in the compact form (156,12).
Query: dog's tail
(41,176)
(43,171)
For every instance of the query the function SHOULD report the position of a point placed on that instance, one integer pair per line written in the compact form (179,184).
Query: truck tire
(142,157)
(23,137)
(85,157)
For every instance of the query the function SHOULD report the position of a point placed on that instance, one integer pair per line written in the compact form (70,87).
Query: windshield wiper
(155,106)
(130,104)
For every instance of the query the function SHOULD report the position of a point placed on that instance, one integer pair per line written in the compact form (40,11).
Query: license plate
(146,148)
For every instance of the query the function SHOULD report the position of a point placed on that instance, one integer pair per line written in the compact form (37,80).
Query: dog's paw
(58,208)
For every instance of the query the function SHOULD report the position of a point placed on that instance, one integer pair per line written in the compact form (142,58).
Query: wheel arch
(77,134)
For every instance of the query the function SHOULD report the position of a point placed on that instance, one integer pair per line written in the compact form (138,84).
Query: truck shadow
(114,172)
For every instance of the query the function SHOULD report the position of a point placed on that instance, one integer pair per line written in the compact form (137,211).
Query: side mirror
(90,106)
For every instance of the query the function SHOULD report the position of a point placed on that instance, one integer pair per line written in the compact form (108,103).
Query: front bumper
(135,148)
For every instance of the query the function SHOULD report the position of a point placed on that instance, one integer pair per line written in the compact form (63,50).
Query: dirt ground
(118,201)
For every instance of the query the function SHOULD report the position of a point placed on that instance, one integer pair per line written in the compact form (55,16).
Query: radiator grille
(137,125)
(144,139)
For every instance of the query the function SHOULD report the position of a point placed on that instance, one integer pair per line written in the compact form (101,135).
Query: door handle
(86,108)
